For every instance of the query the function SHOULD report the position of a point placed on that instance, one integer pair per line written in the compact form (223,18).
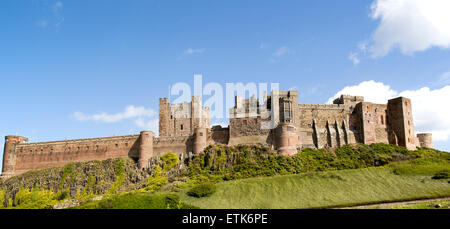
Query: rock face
(96,176)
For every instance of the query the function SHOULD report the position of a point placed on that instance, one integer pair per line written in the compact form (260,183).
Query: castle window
(201,133)
(382,120)
(409,123)
(96,148)
(376,110)
(171,117)
(309,125)
(87,148)
(181,127)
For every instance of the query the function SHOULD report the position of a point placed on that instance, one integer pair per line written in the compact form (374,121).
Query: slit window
(181,127)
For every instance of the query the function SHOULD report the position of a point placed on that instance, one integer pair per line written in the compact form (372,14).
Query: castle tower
(196,113)
(165,127)
(199,140)
(286,139)
(9,154)
(425,140)
(401,122)
(145,148)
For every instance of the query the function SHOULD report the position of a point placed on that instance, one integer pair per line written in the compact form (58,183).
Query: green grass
(322,190)
(138,201)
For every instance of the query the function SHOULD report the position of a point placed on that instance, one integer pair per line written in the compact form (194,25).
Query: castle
(280,122)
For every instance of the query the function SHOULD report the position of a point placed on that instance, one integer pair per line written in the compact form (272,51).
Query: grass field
(322,190)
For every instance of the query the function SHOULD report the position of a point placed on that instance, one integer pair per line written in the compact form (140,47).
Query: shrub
(202,190)
(34,199)
(139,201)
(2,198)
(156,181)
(169,160)
(444,174)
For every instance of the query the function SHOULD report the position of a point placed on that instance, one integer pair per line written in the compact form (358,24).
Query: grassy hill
(242,177)
(322,190)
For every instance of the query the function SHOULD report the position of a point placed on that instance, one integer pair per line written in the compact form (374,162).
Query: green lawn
(322,189)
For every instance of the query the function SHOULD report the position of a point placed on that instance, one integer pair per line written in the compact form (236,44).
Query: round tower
(425,140)
(286,139)
(9,154)
(199,140)
(145,148)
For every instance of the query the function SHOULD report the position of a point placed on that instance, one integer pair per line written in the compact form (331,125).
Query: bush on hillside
(444,174)
(202,190)
(169,161)
(236,162)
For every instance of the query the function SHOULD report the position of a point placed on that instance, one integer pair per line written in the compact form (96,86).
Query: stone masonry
(279,122)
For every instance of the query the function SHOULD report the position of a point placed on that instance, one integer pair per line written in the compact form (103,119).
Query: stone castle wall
(184,128)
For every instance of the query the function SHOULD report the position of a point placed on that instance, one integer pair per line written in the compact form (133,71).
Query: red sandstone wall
(53,154)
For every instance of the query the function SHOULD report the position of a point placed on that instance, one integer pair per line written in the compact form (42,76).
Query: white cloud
(430,107)
(410,25)
(372,91)
(130,112)
(152,125)
(57,7)
(55,17)
(281,51)
(354,58)
(193,51)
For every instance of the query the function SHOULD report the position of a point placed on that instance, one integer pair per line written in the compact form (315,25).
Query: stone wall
(58,153)
(184,128)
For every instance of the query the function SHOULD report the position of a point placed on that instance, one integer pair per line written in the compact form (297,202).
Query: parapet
(348,99)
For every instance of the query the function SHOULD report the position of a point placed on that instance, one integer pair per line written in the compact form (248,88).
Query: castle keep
(279,122)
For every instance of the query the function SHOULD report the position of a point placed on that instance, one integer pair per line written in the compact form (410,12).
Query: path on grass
(392,204)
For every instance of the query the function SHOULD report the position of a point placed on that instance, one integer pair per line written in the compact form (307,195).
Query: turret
(145,148)
(286,139)
(9,154)
(199,140)
(425,140)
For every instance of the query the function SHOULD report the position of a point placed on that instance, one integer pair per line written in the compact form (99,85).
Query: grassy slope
(322,189)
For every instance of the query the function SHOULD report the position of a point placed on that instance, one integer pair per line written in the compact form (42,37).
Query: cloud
(354,58)
(444,79)
(57,7)
(191,51)
(129,113)
(430,107)
(410,25)
(372,91)
(281,51)
(42,23)
(152,125)
(53,16)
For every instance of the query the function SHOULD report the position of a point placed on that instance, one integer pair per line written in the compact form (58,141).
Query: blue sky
(98,57)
